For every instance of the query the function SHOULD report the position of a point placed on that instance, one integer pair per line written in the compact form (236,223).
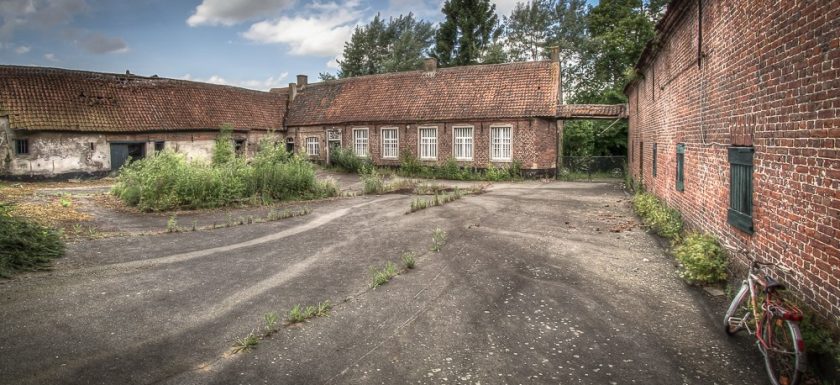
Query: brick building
(63,122)
(735,121)
(476,115)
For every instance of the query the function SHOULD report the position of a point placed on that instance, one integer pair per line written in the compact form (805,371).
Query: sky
(256,44)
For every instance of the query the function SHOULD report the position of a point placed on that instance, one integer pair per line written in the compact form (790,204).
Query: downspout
(558,123)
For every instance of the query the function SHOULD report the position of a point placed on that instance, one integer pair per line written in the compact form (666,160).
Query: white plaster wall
(58,153)
(197,150)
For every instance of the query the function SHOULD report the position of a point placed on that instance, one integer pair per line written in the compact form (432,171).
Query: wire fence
(592,167)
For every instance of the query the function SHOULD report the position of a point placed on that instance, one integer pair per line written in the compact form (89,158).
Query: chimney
(430,64)
(301,81)
(292,91)
(554,53)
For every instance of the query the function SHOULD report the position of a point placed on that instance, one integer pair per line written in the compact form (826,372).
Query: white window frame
(365,146)
(312,143)
(432,143)
(467,143)
(493,143)
(394,143)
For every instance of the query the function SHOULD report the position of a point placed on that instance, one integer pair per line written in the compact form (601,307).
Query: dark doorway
(121,152)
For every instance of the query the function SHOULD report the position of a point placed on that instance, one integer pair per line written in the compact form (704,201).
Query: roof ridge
(59,70)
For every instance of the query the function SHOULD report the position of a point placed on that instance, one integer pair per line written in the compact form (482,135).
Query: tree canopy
(469,29)
(399,44)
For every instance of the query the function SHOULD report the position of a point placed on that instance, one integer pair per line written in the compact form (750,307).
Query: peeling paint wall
(55,153)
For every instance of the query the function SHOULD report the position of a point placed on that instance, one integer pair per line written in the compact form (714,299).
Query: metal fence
(592,167)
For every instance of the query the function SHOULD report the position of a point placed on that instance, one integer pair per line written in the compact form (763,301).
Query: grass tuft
(246,343)
(438,239)
(381,277)
(408,259)
(25,245)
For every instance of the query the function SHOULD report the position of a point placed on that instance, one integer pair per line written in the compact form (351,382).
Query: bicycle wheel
(783,354)
(739,312)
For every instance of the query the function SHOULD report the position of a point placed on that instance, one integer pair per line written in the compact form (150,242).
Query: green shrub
(25,245)
(702,259)
(347,160)
(662,219)
(409,165)
(381,277)
(408,259)
(165,181)
(223,151)
(372,180)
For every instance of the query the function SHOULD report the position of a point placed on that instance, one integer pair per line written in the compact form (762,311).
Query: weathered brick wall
(533,142)
(769,77)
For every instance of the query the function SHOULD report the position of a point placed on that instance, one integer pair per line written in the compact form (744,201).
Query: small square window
(239,147)
(159,146)
(21,146)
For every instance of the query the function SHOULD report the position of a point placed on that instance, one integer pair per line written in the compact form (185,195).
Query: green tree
(527,30)
(400,44)
(468,30)
(495,54)
(324,76)
(223,151)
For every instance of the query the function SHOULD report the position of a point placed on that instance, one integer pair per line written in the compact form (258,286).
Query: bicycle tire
(739,306)
(784,354)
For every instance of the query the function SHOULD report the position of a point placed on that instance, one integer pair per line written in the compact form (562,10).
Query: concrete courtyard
(537,283)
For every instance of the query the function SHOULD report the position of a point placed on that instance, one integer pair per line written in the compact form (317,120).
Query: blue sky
(250,43)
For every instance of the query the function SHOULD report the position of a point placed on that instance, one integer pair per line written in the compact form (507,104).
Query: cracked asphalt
(538,283)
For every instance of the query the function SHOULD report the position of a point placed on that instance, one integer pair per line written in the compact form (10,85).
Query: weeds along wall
(753,74)
(533,141)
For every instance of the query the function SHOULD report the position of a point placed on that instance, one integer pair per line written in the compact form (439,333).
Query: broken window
(239,147)
(21,146)
(159,146)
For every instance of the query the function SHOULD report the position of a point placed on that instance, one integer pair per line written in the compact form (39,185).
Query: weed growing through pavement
(271,320)
(408,259)
(381,277)
(299,313)
(172,224)
(246,343)
(438,239)
(65,200)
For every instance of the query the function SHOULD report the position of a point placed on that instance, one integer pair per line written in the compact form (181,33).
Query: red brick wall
(533,141)
(770,77)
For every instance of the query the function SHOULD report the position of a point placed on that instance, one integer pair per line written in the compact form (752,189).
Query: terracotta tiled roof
(38,98)
(594,111)
(527,89)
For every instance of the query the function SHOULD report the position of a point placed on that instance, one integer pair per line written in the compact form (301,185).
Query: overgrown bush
(166,180)
(451,170)
(373,181)
(347,160)
(662,219)
(25,245)
(223,151)
(702,259)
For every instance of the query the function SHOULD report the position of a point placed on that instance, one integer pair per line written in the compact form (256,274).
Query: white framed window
(428,142)
(312,146)
(390,143)
(462,140)
(360,141)
(500,143)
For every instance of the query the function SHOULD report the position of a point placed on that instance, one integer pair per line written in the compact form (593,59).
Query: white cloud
(322,32)
(263,85)
(22,49)
(99,44)
(51,57)
(504,7)
(333,63)
(37,14)
(230,12)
